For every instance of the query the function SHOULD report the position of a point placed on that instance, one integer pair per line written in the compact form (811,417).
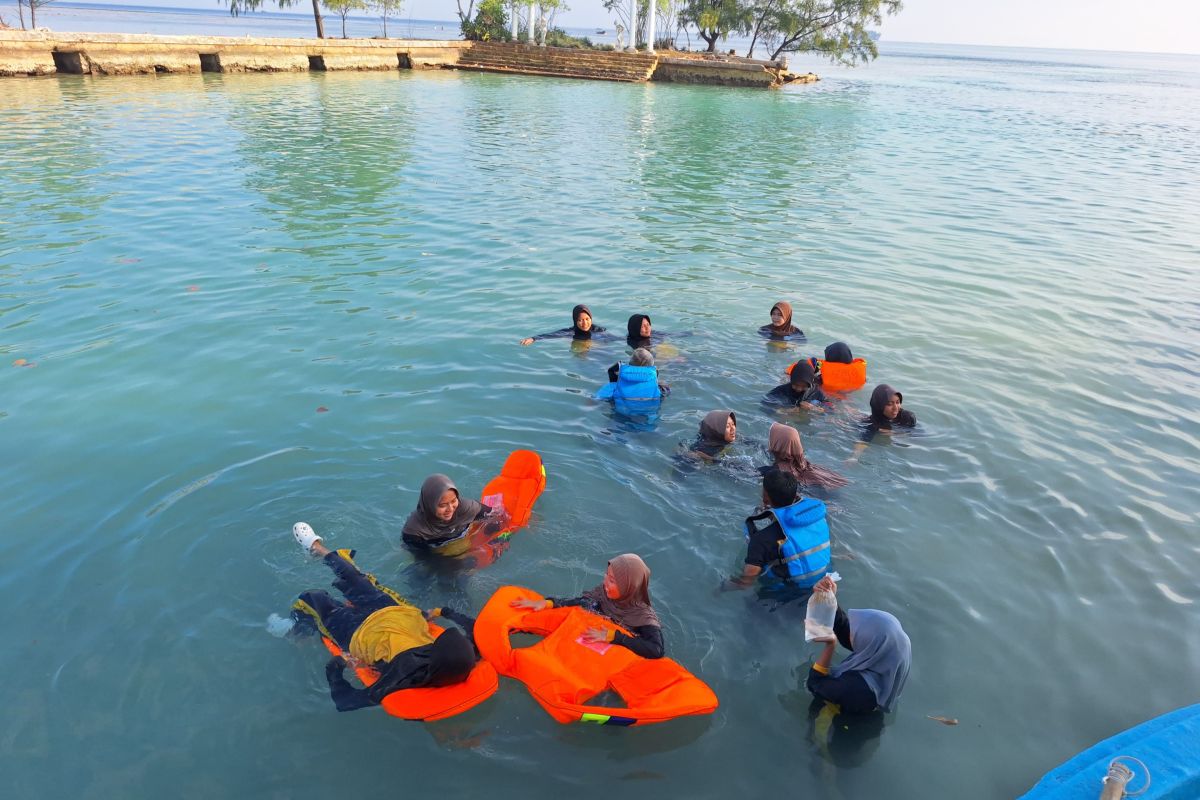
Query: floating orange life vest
(562,673)
(520,482)
(839,377)
(429,703)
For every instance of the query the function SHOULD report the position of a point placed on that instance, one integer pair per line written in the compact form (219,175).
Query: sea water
(231,302)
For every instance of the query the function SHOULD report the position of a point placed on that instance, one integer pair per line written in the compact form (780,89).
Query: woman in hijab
(802,391)
(874,673)
(640,333)
(581,327)
(788,451)
(624,598)
(781,326)
(839,353)
(718,430)
(441,514)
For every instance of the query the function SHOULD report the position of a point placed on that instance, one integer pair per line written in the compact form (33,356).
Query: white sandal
(305,536)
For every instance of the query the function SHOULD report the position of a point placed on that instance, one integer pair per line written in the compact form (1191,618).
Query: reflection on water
(254,299)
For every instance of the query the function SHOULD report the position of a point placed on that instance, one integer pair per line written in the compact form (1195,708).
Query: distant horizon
(566,20)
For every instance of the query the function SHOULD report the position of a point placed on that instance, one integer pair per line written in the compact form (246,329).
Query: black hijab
(576,332)
(880,397)
(839,353)
(634,329)
(803,371)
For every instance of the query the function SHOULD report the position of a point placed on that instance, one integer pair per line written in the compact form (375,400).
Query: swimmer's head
(641,358)
(581,315)
(803,375)
(779,488)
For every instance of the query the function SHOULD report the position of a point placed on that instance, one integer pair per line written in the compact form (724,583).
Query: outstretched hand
(595,635)
(529,605)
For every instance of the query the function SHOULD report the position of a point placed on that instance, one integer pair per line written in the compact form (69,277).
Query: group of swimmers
(787,548)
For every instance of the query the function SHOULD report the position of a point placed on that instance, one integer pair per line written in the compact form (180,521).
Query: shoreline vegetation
(840,30)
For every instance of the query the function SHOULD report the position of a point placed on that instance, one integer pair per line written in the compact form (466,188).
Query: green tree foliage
(839,29)
(386,8)
(239,7)
(343,8)
(716,19)
(489,24)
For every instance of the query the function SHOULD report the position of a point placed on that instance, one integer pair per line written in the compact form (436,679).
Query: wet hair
(780,487)
(641,358)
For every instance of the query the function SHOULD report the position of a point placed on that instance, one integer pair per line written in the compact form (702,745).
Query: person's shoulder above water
(582,327)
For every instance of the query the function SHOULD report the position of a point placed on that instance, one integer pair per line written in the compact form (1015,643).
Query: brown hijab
(785,445)
(785,327)
(632,609)
(423,522)
(712,427)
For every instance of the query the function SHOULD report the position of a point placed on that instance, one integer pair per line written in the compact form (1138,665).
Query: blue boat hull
(1169,746)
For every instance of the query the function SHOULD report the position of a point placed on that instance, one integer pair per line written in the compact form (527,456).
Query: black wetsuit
(646,642)
(407,670)
(850,691)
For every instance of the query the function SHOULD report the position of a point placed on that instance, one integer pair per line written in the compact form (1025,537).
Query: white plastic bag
(818,618)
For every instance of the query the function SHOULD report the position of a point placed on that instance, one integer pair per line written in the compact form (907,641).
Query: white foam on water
(1172,596)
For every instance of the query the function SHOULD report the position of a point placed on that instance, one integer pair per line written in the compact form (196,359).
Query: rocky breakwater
(715,69)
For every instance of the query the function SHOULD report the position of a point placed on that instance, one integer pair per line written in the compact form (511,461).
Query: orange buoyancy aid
(520,482)
(839,377)
(562,673)
(430,703)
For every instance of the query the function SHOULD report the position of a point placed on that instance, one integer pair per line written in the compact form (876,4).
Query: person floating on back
(378,628)
(582,328)
(787,545)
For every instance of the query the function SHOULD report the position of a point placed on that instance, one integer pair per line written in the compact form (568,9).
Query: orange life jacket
(839,377)
(562,673)
(429,703)
(520,482)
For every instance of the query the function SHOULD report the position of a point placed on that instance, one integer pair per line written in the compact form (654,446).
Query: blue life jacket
(635,392)
(805,550)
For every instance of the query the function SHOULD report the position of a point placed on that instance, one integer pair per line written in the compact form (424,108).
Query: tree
(716,19)
(34,5)
(490,22)
(343,8)
(835,28)
(386,8)
(239,7)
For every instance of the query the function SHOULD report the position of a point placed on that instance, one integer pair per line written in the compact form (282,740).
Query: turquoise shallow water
(196,264)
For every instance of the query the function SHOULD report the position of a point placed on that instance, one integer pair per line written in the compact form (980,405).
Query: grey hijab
(423,522)
(882,654)
(712,427)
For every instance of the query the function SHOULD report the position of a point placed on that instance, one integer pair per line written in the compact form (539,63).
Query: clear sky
(1169,26)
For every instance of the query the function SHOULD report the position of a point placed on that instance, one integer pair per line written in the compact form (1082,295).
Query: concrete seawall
(40,53)
(25,53)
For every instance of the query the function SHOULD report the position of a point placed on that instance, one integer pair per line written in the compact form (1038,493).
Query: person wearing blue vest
(787,544)
(634,387)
